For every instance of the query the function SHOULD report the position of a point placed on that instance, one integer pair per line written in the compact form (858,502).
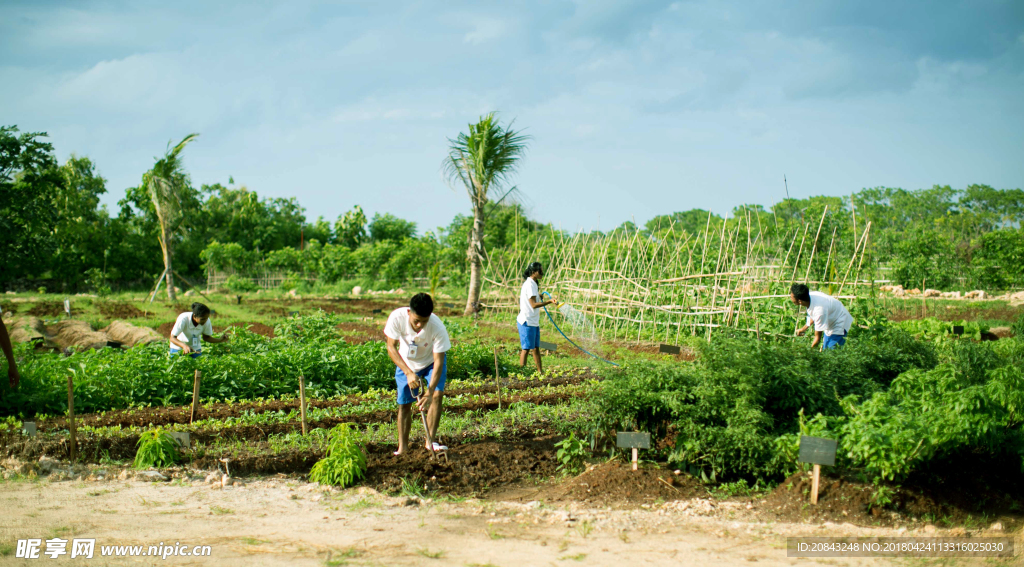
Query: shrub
(156,449)
(345,462)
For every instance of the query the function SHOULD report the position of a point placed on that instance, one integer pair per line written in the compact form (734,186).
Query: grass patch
(218,511)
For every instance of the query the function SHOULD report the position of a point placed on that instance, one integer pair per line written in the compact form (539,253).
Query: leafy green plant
(345,462)
(156,448)
(572,453)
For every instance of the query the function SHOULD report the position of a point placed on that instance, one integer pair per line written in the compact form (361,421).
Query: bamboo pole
(497,376)
(195,397)
(815,246)
(302,402)
(71,418)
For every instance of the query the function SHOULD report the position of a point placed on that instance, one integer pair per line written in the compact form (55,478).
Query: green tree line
(53,230)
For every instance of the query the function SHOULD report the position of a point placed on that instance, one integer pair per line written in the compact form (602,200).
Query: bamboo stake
(195,398)
(815,246)
(302,402)
(71,418)
(497,376)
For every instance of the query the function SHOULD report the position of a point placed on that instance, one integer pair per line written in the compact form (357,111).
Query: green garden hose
(567,338)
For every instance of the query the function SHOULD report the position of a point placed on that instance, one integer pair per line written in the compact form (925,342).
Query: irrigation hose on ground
(550,318)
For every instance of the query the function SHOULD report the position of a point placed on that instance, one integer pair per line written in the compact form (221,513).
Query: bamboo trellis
(636,287)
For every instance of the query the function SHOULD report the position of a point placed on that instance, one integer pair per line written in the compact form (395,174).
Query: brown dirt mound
(130,335)
(51,309)
(77,334)
(616,484)
(471,469)
(949,500)
(119,310)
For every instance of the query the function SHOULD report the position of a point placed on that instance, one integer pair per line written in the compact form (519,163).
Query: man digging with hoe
(417,342)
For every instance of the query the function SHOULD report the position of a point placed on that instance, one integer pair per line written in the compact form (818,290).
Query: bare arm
(12,366)
(184,347)
(538,304)
(222,339)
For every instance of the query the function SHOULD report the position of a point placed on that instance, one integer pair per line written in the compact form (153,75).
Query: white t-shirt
(828,314)
(528,315)
(190,334)
(417,349)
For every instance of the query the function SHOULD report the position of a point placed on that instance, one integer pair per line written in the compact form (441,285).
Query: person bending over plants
(5,344)
(831,319)
(528,321)
(189,327)
(417,343)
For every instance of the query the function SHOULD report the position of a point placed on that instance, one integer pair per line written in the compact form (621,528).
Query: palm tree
(166,184)
(482,161)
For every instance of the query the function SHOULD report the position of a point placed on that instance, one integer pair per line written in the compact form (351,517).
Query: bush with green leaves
(571,454)
(156,448)
(345,462)
(740,404)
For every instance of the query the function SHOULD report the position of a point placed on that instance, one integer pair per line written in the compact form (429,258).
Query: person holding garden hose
(189,327)
(831,319)
(418,344)
(528,321)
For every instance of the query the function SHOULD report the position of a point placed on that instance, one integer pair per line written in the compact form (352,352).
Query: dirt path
(289,522)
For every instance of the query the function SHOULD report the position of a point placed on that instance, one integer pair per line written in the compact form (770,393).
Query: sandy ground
(288,522)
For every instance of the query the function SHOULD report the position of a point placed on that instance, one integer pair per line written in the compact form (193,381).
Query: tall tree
(483,161)
(166,184)
(28,185)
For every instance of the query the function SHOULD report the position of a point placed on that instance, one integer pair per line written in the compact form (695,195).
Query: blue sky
(635,108)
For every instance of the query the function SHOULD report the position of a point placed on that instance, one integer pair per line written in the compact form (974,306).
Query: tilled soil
(844,499)
(120,310)
(518,390)
(358,306)
(616,484)
(51,309)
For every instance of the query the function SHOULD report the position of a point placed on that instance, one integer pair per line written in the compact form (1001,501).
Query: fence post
(302,402)
(195,397)
(71,417)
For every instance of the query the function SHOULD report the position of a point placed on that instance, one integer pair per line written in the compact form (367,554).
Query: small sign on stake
(181,438)
(548,346)
(376,311)
(28,428)
(958,330)
(817,451)
(668,349)
(633,440)
(67,307)
(292,313)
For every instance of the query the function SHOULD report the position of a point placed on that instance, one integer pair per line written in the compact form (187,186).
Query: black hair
(422,304)
(200,310)
(532,269)
(800,292)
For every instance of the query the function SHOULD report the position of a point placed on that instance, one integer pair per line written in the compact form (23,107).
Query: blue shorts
(529,337)
(176,350)
(833,341)
(405,396)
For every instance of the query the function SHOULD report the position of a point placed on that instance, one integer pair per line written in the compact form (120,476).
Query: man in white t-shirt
(190,328)
(528,321)
(417,343)
(830,318)
(5,344)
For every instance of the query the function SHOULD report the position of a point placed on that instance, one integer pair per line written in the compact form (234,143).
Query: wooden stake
(814,484)
(635,455)
(302,402)
(71,417)
(195,397)
(497,377)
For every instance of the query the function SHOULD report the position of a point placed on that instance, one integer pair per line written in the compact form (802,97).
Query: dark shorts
(407,396)
(529,337)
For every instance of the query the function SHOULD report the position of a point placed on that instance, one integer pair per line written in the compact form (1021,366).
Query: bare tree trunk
(165,244)
(475,255)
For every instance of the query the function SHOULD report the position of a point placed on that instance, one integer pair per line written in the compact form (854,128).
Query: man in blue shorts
(830,318)
(528,321)
(417,343)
